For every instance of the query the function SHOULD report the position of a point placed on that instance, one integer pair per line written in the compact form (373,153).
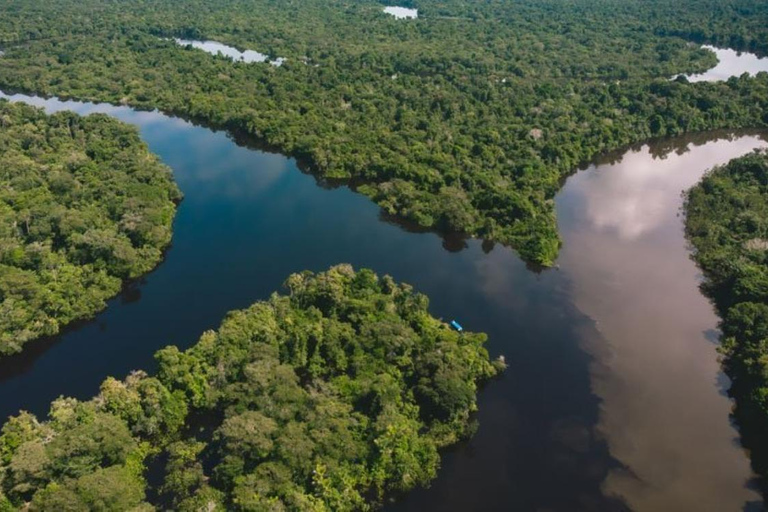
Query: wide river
(613,399)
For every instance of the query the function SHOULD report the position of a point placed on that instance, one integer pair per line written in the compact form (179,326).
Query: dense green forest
(465,119)
(727,224)
(84,206)
(328,398)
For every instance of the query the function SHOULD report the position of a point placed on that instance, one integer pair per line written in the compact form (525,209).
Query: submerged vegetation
(328,398)
(727,224)
(464,119)
(84,206)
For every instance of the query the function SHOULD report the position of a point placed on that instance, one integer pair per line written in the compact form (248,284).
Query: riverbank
(249,218)
(726,217)
(85,208)
(329,397)
(469,137)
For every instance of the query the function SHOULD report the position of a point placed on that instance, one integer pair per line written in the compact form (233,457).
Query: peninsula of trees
(465,119)
(329,398)
(84,206)
(727,224)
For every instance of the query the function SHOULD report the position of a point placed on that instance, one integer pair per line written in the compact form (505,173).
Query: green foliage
(79,460)
(467,118)
(185,486)
(146,405)
(324,399)
(5,504)
(727,223)
(105,489)
(83,206)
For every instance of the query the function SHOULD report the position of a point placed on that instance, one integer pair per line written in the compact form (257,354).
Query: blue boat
(456,325)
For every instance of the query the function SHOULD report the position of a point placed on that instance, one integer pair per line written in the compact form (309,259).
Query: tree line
(465,119)
(84,206)
(331,397)
(727,224)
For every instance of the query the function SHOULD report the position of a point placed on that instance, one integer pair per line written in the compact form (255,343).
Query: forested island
(727,224)
(331,397)
(339,394)
(84,206)
(465,119)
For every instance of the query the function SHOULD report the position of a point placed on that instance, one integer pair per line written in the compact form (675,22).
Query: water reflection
(216,48)
(731,63)
(663,414)
(249,219)
(402,12)
(626,293)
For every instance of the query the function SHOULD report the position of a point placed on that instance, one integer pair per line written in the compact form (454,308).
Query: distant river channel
(613,400)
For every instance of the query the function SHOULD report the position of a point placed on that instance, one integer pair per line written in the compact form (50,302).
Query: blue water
(250,218)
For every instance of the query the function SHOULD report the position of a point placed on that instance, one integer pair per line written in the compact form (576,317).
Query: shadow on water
(452,241)
(249,219)
(523,437)
(17,364)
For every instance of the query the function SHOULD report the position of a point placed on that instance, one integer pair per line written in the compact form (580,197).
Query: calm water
(402,12)
(654,366)
(731,63)
(613,397)
(215,48)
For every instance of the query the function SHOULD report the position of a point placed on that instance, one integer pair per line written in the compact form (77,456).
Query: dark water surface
(613,396)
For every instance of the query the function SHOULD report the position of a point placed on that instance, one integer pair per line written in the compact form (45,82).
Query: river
(613,398)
